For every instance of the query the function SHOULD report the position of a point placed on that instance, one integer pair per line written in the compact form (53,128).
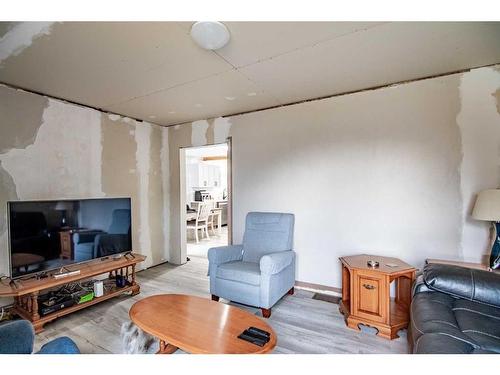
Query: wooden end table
(366,295)
(198,325)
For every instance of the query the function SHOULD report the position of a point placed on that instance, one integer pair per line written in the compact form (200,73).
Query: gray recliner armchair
(261,270)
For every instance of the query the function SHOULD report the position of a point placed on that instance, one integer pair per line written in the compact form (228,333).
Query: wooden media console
(26,292)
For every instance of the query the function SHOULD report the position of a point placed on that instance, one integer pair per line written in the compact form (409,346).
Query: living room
(358,176)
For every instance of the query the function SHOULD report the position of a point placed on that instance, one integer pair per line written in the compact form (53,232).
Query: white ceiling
(155,72)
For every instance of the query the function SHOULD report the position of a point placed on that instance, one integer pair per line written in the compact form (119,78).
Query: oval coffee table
(197,325)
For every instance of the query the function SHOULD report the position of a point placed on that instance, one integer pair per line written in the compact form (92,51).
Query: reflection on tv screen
(47,235)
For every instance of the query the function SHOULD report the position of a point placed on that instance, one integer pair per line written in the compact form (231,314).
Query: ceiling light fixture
(210,35)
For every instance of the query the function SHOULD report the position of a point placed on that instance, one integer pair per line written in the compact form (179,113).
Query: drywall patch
(165,172)
(199,133)
(114,117)
(7,193)
(479,121)
(21,36)
(64,159)
(143,141)
(497,98)
(155,194)
(21,117)
(119,167)
(222,128)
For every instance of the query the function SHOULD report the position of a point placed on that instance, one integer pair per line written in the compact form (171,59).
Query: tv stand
(27,291)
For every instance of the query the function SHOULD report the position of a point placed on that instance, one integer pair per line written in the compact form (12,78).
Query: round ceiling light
(210,34)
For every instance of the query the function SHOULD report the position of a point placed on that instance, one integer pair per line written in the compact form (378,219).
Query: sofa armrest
(472,284)
(224,254)
(419,286)
(61,345)
(85,237)
(274,263)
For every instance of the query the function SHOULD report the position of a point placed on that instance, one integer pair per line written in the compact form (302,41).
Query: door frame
(183,198)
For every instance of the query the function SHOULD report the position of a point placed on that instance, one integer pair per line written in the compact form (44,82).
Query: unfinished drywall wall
(379,171)
(50,149)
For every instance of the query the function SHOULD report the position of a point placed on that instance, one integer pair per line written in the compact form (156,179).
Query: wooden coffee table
(197,325)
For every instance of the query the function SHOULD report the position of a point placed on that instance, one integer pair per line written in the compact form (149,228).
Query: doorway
(205,198)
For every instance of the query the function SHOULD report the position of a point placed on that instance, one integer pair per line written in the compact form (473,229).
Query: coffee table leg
(166,348)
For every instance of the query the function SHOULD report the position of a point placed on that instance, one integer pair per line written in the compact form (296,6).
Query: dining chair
(201,221)
(211,216)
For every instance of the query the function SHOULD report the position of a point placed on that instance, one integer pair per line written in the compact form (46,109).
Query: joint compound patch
(222,127)
(21,36)
(199,133)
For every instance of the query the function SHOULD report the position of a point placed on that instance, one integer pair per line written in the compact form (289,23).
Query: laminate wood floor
(303,324)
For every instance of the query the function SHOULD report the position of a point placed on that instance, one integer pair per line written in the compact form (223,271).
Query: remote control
(256,334)
(251,339)
(259,331)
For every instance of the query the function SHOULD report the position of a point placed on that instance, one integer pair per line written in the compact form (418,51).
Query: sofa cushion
(243,272)
(441,323)
(479,322)
(472,284)
(433,313)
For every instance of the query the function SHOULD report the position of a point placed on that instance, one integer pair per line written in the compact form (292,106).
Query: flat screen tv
(47,235)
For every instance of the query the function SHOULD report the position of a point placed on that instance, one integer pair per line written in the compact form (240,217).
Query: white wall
(381,171)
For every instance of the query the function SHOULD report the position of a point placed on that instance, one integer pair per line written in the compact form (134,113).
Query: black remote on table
(259,332)
(252,339)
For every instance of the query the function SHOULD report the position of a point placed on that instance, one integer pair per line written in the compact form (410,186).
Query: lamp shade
(487,205)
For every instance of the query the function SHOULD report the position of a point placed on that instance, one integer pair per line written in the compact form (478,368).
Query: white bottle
(98,289)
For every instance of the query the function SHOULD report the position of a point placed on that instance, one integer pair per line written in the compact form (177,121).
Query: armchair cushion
(274,263)
(243,272)
(267,232)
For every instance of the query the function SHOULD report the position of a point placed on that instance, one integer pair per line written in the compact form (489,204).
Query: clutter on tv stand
(43,299)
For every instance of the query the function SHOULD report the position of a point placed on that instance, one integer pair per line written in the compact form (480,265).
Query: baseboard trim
(318,288)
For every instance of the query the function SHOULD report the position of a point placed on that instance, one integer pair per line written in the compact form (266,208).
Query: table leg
(166,348)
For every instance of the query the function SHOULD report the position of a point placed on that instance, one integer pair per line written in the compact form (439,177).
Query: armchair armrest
(85,236)
(273,263)
(224,254)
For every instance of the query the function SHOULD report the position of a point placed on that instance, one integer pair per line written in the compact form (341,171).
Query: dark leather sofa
(455,310)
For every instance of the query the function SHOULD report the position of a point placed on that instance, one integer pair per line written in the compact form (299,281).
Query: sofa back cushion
(265,233)
(475,285)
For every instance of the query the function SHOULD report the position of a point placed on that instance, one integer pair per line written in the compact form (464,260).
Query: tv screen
(46,235)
